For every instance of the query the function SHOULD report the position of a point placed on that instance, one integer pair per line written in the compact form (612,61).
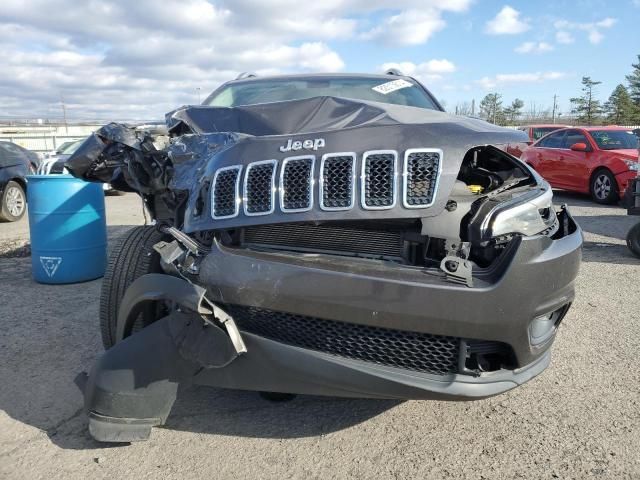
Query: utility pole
(198,90)
(555,105)
(473,107)
(64,114)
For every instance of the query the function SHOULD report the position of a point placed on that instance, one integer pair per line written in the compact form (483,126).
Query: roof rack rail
(245,75)
(395,72)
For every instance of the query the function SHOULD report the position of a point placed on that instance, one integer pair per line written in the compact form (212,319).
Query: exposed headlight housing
(529,214)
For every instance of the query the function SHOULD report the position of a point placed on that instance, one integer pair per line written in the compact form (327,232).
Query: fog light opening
(544,327)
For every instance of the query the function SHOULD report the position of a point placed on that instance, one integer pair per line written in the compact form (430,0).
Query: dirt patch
(15,249)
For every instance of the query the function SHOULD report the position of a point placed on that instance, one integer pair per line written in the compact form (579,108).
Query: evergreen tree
(587,107)
(620,108)
(513,111)
(491,108)
(634,83)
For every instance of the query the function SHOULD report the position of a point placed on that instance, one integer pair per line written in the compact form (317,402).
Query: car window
(540,132)
(572,137)
(553,140)
(399,91)
(71,148)
(615,139)
(9,155)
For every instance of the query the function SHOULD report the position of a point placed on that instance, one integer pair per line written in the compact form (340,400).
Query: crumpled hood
(207,139)
(215,138)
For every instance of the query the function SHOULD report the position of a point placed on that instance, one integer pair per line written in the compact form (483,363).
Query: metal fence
(40,143)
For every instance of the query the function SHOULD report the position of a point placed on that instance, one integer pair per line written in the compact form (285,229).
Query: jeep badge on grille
(309,144)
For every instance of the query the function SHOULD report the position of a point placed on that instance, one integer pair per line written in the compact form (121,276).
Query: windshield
(71,148)
(398,91)
(615,139)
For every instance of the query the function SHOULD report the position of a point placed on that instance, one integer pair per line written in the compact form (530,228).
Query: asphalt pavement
(579,419)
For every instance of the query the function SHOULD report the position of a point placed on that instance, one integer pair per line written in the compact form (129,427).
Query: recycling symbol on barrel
(50,265)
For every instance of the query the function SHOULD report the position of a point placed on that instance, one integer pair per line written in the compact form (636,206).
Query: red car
(595,160)
(535,132)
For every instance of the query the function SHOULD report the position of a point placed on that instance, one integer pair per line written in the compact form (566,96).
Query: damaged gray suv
(328,235)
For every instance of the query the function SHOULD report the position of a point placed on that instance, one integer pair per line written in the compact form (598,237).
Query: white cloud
(503,79)
(507,22)
(592,29)
(430,71)
(564,37)
(595,37)
(411,27)
(126,59)
(534,47)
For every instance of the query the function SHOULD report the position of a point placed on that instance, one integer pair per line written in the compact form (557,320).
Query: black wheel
(633,240)
(604,188)
(13,203)
(131,258)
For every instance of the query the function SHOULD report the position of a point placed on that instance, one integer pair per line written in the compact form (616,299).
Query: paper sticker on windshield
(392,86)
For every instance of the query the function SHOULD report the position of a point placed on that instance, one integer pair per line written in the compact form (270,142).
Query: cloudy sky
(137,59)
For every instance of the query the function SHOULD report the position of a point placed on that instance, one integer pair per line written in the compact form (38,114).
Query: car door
(546,155)
(573,166)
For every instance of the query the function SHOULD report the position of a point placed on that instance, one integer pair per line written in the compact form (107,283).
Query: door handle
(561,157)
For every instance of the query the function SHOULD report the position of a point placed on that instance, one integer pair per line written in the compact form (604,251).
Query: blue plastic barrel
(68,229)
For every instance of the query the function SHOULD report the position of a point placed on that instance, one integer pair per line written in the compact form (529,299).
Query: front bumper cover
(133,385)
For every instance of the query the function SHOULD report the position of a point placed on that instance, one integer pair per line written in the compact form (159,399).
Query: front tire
(13,203)
(130,259)
(604,188)
(633,240)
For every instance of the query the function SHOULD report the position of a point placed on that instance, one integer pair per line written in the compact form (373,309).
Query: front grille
(421,177)
(259,187)
(296,183)
(336,182)
(378,178)
(378,188)
(421,352)
(225,192)
(327,239)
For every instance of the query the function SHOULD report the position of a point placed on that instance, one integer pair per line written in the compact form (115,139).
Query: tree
(587,107)
(464,108)
(513,111)
(620,108)
(491,108)
(634,83)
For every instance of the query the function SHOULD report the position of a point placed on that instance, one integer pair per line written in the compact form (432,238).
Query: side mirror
(579,147)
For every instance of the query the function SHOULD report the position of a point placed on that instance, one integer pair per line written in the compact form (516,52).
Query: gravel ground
(579,419)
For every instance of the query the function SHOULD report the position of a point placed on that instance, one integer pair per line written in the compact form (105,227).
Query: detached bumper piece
(133,385)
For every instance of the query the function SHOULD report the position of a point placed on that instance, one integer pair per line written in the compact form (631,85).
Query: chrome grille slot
(379,171)
(296,184)
(421,175)
(225,193)
(337,177)
(259,187)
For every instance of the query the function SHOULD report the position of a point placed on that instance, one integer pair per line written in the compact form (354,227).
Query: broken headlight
(528,214)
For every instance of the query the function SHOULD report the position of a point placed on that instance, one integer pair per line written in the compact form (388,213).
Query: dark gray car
(324,234)
(15,164)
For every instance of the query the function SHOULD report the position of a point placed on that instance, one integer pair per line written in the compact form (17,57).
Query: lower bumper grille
(421,352)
